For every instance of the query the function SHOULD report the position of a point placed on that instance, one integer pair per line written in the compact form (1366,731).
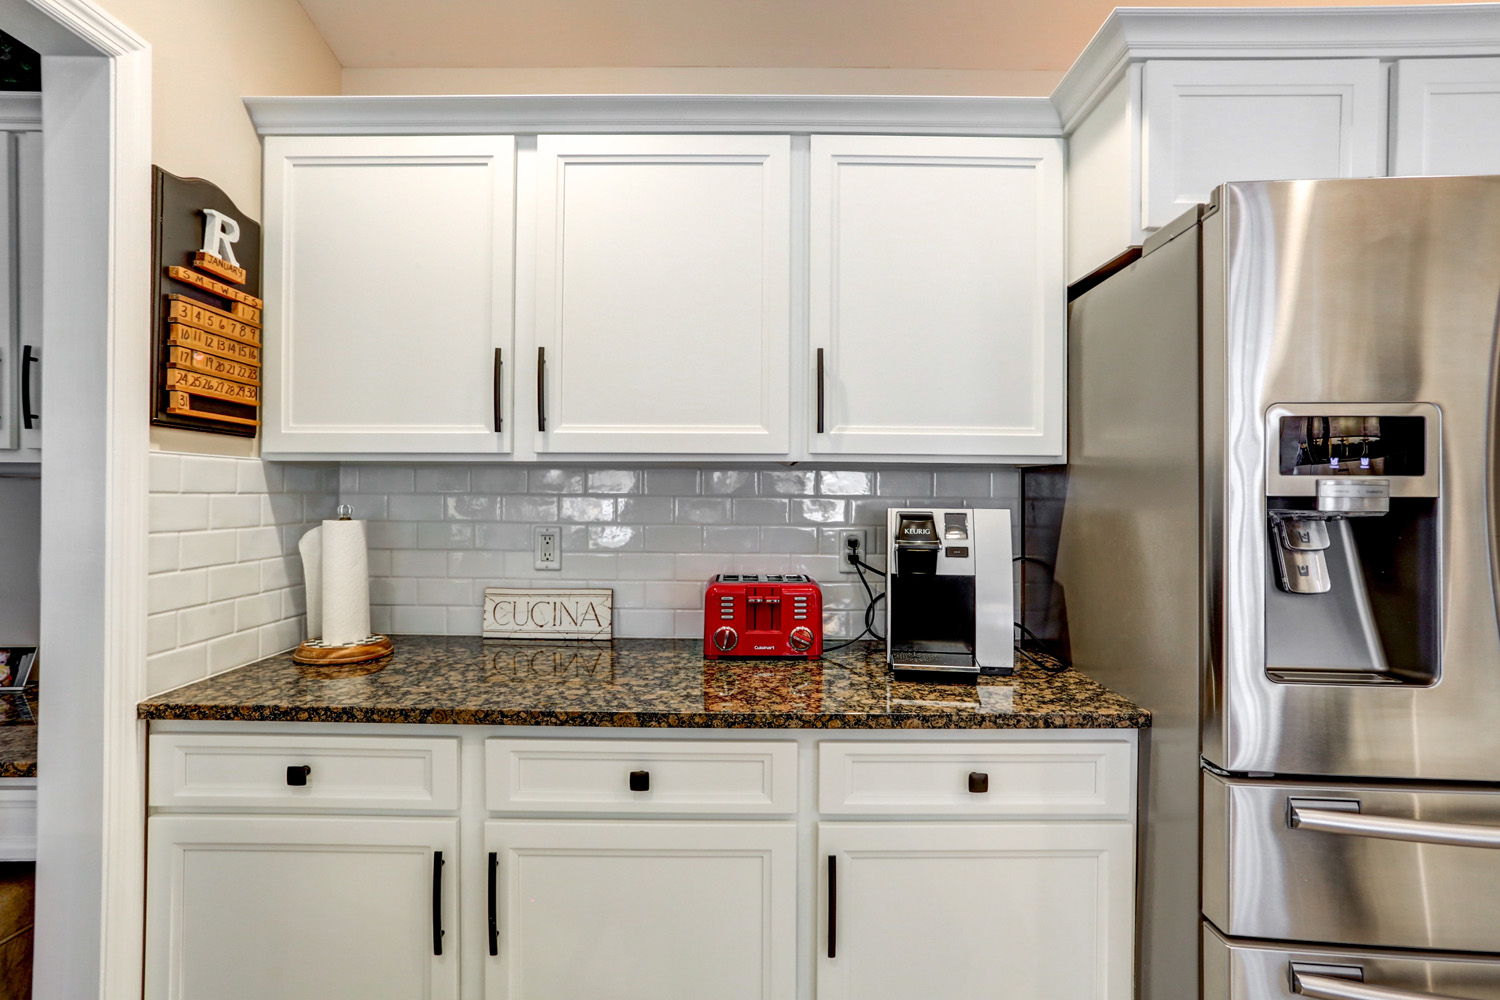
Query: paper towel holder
(316,652)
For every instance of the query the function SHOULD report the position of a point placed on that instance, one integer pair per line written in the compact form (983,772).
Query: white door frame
(96,121)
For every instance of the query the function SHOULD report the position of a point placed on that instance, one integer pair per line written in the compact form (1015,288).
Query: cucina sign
(548,614)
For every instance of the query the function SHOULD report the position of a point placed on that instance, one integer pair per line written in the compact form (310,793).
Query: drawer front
(1386,866)
(680,776)
(1035,780)
(266,772)
(1235,969)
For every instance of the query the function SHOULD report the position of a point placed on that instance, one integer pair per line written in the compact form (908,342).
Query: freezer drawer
(1386,866)
(1234,969)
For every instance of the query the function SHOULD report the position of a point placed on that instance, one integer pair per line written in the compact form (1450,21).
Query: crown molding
(1134,34)
(423,115)
(20,111)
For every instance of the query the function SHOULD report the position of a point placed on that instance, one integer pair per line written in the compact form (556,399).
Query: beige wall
(205,56)
(1000,47)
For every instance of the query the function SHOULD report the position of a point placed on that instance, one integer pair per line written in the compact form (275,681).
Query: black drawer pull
(640,781)
(437,902)
(296,775)
(820,390)
(494,920)
(833,905)
(541,389)
(27,417)
(979,781)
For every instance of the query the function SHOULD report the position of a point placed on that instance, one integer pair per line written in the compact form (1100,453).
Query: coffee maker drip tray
(932,656)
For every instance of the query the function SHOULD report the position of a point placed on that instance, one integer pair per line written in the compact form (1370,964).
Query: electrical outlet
(862,535)
(547,546)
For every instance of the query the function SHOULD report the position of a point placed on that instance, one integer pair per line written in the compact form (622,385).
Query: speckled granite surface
(18,735)
(639,682)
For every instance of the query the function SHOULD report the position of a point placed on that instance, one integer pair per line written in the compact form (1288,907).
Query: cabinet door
(1028,911)
(1447,117)
(1208,122)
(937,296)
(20,296)
(388,285)
(251,907)
(662,275)
(643,911)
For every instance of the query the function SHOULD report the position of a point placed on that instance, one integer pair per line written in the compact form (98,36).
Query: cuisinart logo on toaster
(765,647)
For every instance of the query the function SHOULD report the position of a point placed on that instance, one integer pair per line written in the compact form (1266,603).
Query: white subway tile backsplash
(202,474)
(731,538)
(471,507)
(904,483)
(414,507)
(479,563)
(784,481)
(502,536)
(586,509)
(385,479)
(703,510)
(616,537)
(173,512)
(672,482)
(442,592)
(761,510)
(234,511)
(536,509)
(847,484)
(445,535)
(789,540)
(728,482)
(170,591)
(673,538)
(206,621)
(207,548)
(555,481)
(466,620)
(614,481)
(490,479)
(442,479)
(645,565)
(223,560)
(963,483)
(820,511)
(406,562)
(419,620)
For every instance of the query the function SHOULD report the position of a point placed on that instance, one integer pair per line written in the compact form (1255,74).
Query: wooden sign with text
(548,614)
(207,310)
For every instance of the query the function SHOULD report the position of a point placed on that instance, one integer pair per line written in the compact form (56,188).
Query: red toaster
(748,614)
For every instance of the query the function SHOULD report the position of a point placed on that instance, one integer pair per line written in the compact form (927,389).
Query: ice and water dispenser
(1353,580)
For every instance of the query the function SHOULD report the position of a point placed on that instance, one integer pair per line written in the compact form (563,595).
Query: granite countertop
(640,683)
(18,734)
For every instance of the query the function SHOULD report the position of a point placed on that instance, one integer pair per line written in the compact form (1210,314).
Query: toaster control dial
(725,639)
(800,639)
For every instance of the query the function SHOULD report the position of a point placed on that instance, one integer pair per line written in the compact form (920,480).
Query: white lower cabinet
(643,910)
(975,911)
(301,908)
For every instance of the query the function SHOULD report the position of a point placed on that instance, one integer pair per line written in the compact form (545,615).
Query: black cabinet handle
(820,390)
(979,782)
(494,921)
(437,902)
(833,905)
(500,366)
(541,389)
(640,781)
(297,774)
(26,360)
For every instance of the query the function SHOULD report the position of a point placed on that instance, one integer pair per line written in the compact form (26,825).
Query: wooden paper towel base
(313,652)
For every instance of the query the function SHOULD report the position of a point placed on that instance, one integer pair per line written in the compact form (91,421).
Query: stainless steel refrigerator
(1280,535)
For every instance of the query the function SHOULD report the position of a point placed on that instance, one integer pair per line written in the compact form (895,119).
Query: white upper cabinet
(1447,117)
(937,297)
(388,287)
(662,308)
(1211,121)
(20,296)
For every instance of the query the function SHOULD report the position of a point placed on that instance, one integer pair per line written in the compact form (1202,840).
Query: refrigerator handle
(1334,816)
(1319,987)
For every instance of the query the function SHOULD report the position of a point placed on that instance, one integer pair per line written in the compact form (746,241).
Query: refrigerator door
(1252,970)
(1373,865)
(1336,294)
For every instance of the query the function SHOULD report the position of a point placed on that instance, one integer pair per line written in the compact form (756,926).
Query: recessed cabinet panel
(1208,122)
(20,296)
(937,296)
(643,911)
(1447,117)
(252,907)
(975,911)
(388,291)
(662,275)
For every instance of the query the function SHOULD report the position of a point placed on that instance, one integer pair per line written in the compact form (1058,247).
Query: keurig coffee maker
(948,590)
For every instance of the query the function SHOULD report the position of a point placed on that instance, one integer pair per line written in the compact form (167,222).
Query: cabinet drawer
(686,776)
(257,772)
(1010,779)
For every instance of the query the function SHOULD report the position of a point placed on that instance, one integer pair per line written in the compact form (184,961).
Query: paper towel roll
(311,548)
(345,583)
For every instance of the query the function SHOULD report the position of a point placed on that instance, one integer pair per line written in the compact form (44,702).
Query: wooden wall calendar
(207,309)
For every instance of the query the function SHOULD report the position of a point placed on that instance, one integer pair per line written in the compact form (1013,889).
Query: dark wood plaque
(206,314)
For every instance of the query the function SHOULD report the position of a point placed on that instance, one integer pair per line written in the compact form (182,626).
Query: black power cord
(859,567)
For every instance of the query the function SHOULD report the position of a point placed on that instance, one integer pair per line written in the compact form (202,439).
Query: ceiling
(884,34)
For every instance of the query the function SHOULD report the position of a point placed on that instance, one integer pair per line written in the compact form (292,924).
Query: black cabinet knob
(640,781)
(979,781)
(297,774)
